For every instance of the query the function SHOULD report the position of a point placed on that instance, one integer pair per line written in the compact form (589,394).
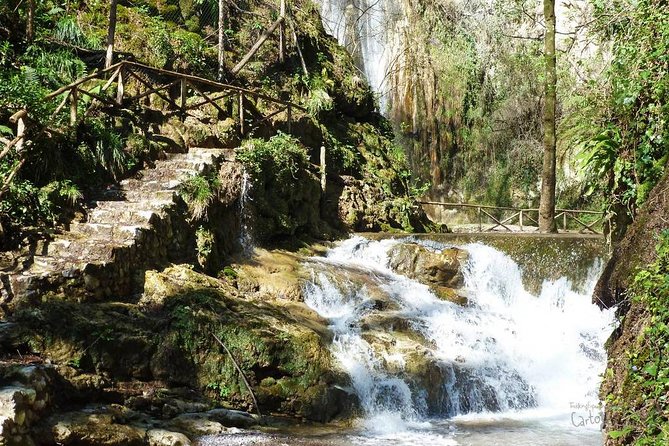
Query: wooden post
(221,39)
(299,50)
(520,220)
(263,37)
(111,33)
(18,118)
(564,220)
(20,131)
(119,91)
(323,168)
(30,25)
(282,33)
(182,103)
(480,222)
(289,118)
(74,102)
(241,114)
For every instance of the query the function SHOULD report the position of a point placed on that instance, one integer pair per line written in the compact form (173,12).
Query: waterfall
(505,351)
(245,236)
(369,30)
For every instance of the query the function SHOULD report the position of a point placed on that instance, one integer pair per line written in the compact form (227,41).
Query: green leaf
(4,130)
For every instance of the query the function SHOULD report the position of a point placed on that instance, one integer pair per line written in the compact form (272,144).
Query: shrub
(279,158)
(198,192)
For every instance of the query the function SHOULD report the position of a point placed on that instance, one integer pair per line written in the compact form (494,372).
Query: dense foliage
(641,405)
(473,125)
(626,150)
(280,157)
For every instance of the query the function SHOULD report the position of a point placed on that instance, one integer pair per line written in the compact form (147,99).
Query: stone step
(166,175)
(127,225)
(177,164)
(106,231)
(71,249)
(142,202)
(205,153)
(122,212)
(150,184)
(165,196)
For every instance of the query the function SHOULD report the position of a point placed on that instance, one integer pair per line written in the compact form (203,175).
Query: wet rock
(441,270)
(232,418)
(94,427)
(196,424)
(274,274)
(162,437)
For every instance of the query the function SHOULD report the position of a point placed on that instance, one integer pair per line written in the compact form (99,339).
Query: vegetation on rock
(637,409)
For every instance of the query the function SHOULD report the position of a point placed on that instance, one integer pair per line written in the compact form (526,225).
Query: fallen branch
(248,386)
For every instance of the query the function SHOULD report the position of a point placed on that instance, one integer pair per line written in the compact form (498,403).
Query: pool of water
(576,428)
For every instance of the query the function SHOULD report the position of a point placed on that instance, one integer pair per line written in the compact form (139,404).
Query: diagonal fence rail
(525,218)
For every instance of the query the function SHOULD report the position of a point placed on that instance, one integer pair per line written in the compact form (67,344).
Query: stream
(509,367)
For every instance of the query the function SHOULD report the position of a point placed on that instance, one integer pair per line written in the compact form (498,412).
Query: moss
(636,412)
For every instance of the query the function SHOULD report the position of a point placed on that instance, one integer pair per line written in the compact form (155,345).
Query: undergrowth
(642,404)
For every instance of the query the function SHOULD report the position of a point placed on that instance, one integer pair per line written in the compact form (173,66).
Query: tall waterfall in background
(370,31)
(505,350)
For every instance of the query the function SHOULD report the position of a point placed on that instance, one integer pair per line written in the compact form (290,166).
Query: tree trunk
(111,33)
(221,39)
(547,203)
(30,23)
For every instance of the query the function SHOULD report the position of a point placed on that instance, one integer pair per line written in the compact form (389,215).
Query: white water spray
(506,350)
(370,31)
(245,236)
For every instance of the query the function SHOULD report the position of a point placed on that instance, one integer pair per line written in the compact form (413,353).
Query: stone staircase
(139,224)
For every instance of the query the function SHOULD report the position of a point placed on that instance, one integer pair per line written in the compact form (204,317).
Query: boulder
(162,437)
(94,427)
(440,270)
(196,424)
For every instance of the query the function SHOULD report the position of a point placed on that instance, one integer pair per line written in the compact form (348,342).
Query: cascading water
(504,351)
(245,236)
(368,30)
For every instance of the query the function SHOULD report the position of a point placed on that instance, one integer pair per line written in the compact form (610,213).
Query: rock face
(168,335)
(27,395)
(440,270)
(636,250)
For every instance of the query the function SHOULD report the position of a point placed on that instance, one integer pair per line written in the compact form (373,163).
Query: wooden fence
(127,84)
(524,219)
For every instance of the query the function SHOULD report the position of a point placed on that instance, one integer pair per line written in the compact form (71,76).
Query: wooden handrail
(176,74)
(503,208)
(521,214)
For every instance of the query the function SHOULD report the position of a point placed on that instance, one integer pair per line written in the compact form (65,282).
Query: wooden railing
(504,217)
(181,93)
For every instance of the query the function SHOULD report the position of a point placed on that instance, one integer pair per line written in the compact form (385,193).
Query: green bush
(280,157)
(199,191)
(627,148)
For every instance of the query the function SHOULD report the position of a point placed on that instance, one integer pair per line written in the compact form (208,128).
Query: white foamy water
(245,236)
(507,354)
(368,29)
(516,368)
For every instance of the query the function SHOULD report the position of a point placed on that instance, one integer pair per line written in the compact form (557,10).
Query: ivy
(642,403)
(628,152)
